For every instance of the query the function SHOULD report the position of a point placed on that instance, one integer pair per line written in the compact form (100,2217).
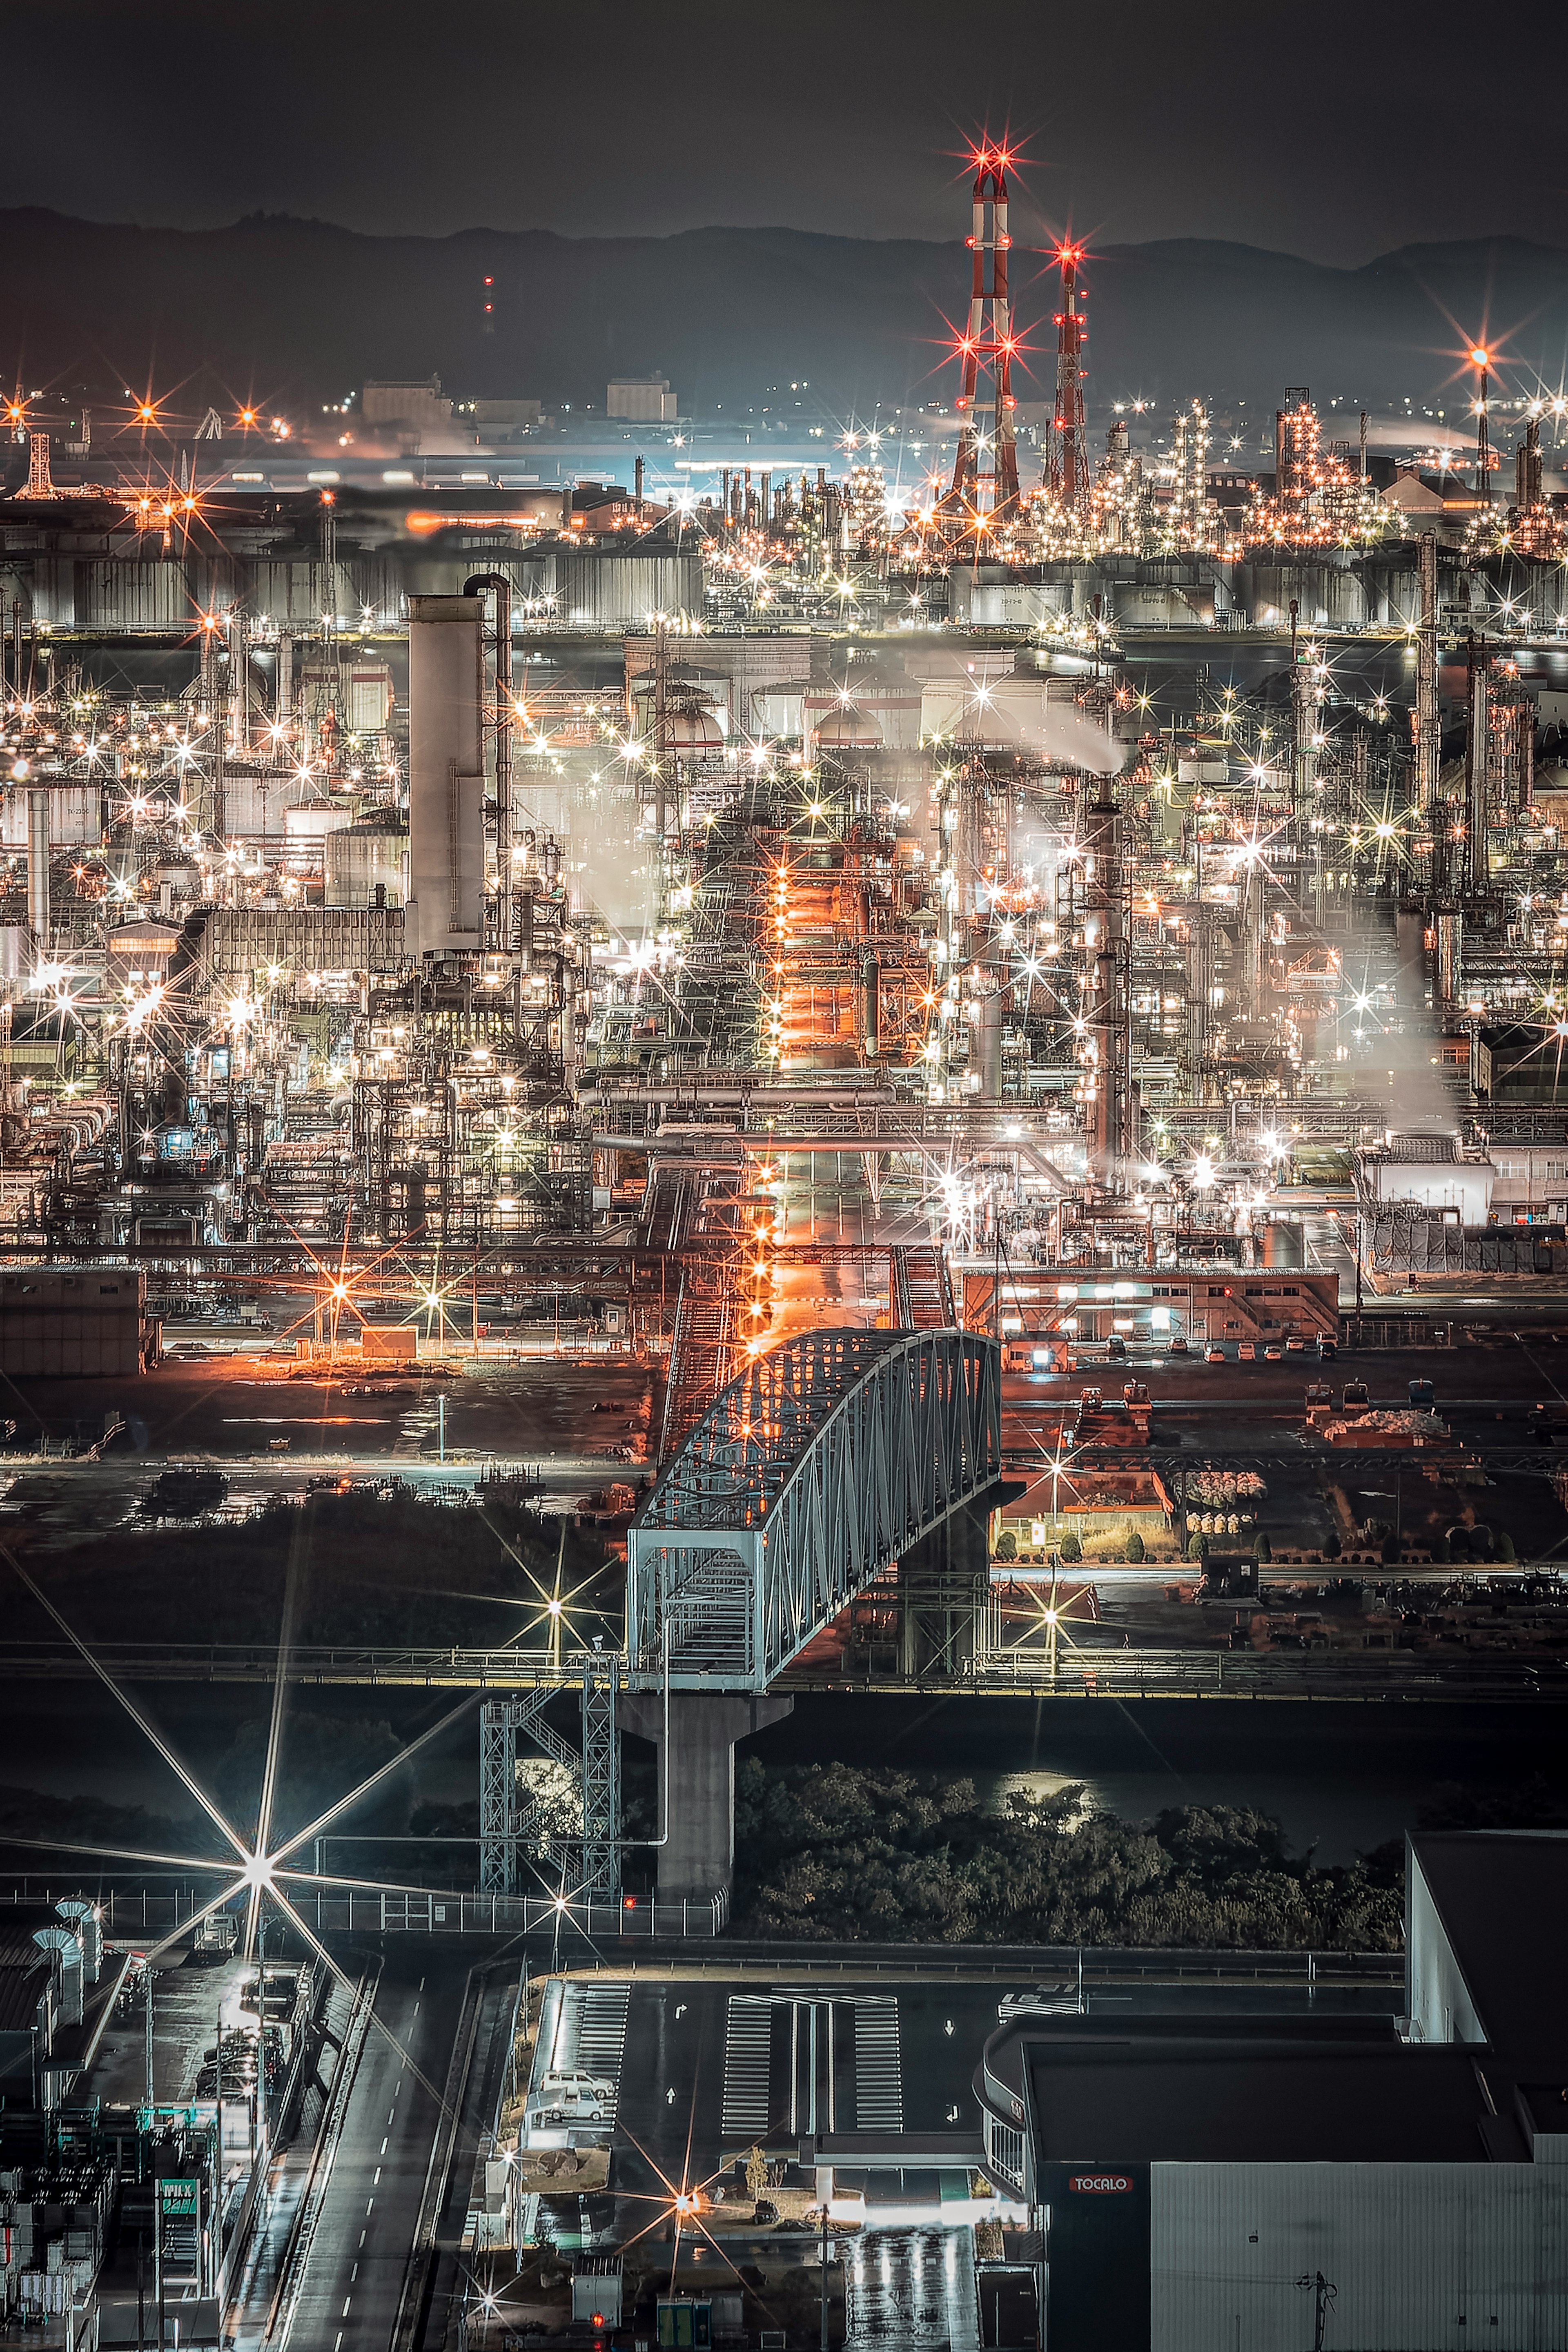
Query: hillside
(279,309)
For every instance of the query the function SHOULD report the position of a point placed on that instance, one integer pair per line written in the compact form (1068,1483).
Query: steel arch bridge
(812,1473)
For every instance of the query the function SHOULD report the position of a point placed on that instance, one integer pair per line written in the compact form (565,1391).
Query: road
(710,2063)
(347,2282)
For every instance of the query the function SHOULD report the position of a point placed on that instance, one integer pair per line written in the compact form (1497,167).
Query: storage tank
(361,859)
(370,694)
(846,731)
(446,774)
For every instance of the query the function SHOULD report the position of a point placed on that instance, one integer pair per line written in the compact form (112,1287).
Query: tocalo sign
(1099,2184)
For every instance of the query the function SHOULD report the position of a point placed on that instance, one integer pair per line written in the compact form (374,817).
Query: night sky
(1338,131)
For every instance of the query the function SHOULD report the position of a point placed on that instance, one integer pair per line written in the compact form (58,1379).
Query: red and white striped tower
(1067,454)
(988,488)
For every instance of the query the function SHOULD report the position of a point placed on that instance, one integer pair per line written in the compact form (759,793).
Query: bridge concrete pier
(697,1777)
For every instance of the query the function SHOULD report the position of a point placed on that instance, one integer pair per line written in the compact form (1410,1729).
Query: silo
(362,859)
(446,774)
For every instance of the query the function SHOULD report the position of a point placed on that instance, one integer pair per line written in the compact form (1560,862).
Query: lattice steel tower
(987,489)
(1067,454)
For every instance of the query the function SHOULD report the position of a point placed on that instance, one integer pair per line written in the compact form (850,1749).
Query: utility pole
(1324,2295)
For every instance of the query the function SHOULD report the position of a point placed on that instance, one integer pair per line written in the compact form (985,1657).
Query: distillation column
(39,918)
(1427,740)
(1478,757)
(1103,943)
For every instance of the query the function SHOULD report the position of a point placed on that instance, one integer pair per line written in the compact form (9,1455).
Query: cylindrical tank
(446,774)
(13,958)
(370,694)
(361,858)
(1282,1246)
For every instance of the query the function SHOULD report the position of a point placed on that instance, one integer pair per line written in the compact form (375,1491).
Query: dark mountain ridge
(280,309)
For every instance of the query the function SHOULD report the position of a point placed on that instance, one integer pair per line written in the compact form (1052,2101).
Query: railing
(1078,1672)
(461,1669)
(1241,1674)
(165,1910)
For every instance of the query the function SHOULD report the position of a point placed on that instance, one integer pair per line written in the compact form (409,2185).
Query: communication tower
(993,487)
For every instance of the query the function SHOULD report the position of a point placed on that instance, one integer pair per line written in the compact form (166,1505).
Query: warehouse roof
(1163,2099)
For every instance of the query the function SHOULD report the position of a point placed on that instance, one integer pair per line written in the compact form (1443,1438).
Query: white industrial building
(1252,2183)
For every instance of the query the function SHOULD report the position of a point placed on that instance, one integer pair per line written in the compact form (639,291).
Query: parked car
(1423,1394)
(1327,1350)
(1247,1352)
(1272,1355)
(1177,1345)
(1295,1347)
(1214,1355)
(1116,1349)
(573,2097)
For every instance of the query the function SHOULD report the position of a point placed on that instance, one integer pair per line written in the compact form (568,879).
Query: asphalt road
(349,2288)
(1487,1392)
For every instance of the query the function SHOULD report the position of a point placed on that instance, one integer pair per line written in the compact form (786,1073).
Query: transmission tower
(1067,456)
(992,488)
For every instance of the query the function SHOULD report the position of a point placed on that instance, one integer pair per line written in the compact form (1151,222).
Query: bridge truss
(811,1474)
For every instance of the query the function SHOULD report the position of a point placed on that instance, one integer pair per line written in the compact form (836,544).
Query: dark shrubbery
(369,1571)
(830,1851)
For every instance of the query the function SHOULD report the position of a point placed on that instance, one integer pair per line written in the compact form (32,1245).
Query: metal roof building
(1264,2183)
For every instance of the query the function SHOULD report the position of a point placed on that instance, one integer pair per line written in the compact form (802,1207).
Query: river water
(1342,1777)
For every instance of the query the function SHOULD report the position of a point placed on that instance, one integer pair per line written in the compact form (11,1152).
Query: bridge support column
(941,1590)
(697,1777)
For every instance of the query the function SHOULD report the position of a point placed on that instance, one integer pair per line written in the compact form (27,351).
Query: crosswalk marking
(748,2063)
(879,2064)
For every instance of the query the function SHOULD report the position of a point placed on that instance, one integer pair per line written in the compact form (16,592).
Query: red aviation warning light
(989,338)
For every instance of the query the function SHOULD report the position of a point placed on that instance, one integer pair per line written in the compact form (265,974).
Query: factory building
(640,400)
(90,1323)
(1201,2181)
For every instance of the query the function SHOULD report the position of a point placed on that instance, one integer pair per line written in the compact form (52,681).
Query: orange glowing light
(421,524)
(1480,357)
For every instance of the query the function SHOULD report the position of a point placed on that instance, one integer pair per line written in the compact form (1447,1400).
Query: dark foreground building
(1247,2184)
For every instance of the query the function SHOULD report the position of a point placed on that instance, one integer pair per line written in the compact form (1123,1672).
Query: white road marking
(344,2313)
(381,2151)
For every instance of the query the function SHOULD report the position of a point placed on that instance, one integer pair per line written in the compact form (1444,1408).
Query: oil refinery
(1097,857)
(892,1084)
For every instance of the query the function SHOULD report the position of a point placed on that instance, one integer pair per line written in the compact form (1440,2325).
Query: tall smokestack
(445,774)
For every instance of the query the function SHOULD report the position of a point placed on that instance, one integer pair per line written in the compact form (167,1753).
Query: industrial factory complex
(991,984)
